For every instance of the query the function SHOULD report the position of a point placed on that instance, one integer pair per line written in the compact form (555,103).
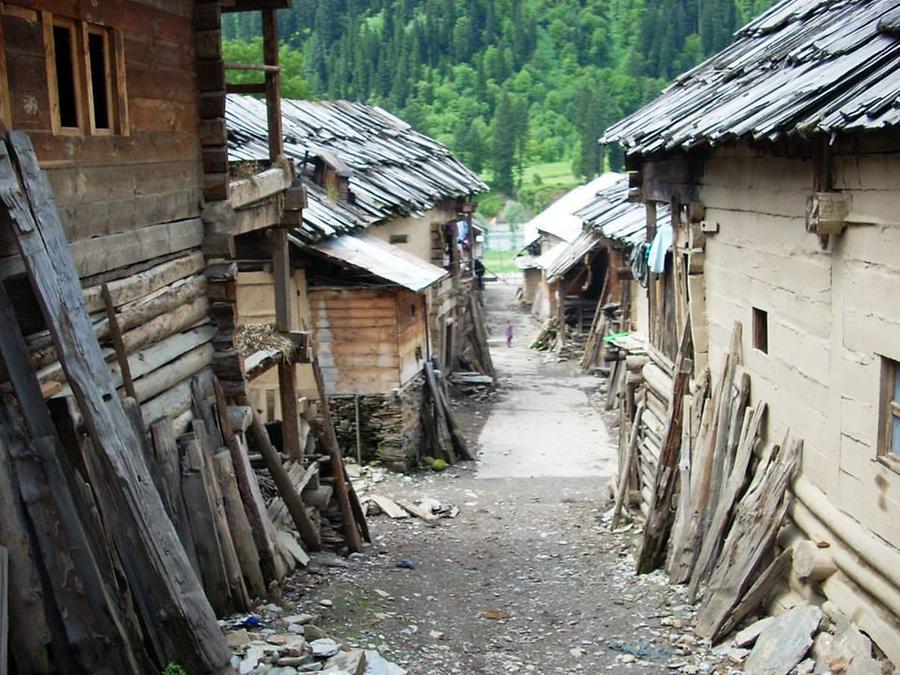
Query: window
(399,239)
(100,81)
(889,417)
(761,330)
(86,77)
(64,99)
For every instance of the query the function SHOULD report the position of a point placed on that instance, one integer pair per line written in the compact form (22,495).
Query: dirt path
(526,578)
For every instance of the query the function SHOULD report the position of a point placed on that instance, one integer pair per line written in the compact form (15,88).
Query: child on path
(509,334)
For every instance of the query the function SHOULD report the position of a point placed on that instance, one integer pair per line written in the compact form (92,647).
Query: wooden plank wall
(411,337)
(112,184)
(356,330)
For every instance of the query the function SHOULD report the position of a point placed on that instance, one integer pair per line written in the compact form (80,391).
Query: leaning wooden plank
(351,530)
(261,526)
(63,537)
(625,469)
(200,509)
(172,602)
(289,494)
(733,486)
(79,588)
(115,330)
(659,522)
(756,595)
(31,631)
(757,520)
(244,545)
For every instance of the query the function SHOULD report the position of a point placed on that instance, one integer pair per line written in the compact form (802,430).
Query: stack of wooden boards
(714,494)
(132,513)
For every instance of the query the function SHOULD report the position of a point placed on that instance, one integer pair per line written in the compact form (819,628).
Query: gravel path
(526,578)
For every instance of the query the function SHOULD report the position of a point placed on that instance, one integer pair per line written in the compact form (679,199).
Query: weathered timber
(172,602)
(239,524)
(350,528)
(289,494)
(200,509)
(625,468)
(115,331)
(758,518)
(659,520)
(249,490)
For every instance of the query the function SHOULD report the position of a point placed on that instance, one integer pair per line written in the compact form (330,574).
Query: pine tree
(503,145)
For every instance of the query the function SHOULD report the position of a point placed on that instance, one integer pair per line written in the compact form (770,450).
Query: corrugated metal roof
(557,219)
(547,259)
(391,263)
(394,170)
(804,66)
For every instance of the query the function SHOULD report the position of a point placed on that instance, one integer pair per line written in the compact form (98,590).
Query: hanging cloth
(662,242)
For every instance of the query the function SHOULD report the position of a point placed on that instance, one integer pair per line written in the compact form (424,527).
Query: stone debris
(268,649)
(785,641)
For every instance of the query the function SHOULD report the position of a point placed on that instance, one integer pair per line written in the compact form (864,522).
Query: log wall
(108,186)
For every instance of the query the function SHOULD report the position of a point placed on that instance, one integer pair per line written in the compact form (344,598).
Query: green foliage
(173,669)
(505,83)
(292,83)
(500,262)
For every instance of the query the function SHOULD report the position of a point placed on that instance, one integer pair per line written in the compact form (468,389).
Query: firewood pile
(714,494)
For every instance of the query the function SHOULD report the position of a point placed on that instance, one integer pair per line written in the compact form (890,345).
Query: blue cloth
(662,242)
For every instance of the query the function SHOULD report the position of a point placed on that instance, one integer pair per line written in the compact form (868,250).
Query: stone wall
(390,428)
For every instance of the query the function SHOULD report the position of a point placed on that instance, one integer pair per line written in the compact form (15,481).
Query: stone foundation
(390,425)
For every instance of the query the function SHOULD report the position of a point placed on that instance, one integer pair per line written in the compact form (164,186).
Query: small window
(889,436)
(399,239)
(85,76)
(761,330)
(65,75)
(100,82)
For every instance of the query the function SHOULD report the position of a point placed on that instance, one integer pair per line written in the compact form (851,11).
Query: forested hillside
(505,83)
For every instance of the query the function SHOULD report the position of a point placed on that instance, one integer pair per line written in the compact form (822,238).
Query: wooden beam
(115,330)
(254,5)
(287,381)
(264,184)
(246,88)
(273,83)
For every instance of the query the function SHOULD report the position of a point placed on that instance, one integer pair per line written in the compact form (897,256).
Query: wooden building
(780,160)
(549,234)
(387,208)
(132,515)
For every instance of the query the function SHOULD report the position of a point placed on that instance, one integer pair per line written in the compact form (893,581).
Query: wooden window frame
(888,409)
(114,75)
(759,322)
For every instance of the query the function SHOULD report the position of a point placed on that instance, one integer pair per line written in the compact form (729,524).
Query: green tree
(503,145)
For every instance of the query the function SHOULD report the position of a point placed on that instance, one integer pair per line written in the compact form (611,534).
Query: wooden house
(780,160)
(131,511)
(549,233)
(383,252)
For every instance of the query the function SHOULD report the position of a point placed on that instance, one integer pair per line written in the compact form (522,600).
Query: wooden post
(652,300)
(115,331)
(4,610)
(292,501)
(287,379)
(351,532)
(273,82)
(561,312)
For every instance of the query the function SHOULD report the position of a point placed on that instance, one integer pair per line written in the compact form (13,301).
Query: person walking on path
(508,331)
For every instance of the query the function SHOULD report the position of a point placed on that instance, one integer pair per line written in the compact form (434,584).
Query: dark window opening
(761,330)
(399,239)
(65,77)
(99,80)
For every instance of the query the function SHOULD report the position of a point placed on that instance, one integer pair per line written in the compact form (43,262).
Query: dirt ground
(526,578)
